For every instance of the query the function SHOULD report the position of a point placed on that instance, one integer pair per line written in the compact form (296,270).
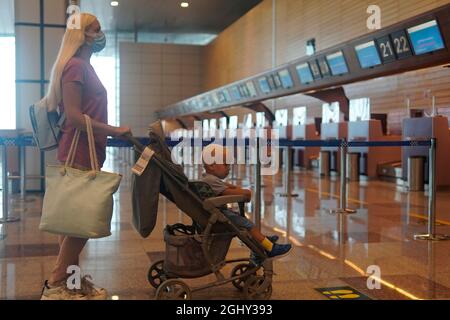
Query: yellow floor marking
(420,216)
(338,292)
(341,294)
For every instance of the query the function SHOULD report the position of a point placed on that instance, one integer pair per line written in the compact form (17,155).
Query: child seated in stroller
(215,171)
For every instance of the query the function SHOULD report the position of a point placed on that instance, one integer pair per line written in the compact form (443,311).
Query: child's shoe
(279,250)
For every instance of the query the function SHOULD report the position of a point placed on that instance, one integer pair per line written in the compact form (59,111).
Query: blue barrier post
(431,235)
(343,182)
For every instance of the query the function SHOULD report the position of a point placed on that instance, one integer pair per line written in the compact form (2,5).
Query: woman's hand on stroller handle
(122,132)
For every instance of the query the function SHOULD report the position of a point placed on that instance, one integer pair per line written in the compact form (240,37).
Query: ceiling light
(114,3)
(184,4)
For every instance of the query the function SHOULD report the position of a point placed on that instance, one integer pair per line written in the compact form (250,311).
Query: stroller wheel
(237,271)
(253,289)
(156,274)
(173,290)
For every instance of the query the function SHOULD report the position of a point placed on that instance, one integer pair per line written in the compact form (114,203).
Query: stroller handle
(134,141)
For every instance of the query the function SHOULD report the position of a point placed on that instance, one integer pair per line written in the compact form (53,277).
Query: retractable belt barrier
(28,141)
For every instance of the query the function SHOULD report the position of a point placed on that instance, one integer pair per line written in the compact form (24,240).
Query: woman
(76,89)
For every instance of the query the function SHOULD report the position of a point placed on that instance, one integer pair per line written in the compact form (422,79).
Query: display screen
(204,102)
(286,79)
(251,89)
(209,101)
(324,69)
(426,37)
(221,97)
(304,73)
(276,81)
(215,98)
(337,63)
(315,70)
(235,94)
(227,96)
(368,55)
(243,91)
(264,85)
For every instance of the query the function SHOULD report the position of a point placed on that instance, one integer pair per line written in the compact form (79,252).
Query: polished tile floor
(329,250)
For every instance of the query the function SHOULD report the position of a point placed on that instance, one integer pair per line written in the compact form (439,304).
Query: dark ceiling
(167,16)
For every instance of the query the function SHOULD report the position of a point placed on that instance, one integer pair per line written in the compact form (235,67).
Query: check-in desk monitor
(426,38)
(337,63)
(304,73)
(368,55)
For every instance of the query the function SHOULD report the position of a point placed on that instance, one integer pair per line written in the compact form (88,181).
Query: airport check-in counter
(333,131)
(425,129)
(371,157)
(304,155)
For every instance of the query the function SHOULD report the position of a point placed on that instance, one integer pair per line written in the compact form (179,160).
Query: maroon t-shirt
(94,103)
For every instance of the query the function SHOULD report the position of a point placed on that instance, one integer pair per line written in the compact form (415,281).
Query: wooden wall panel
(242,49)
(245,49)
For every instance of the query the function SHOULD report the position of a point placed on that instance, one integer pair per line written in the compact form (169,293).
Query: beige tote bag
(79,203)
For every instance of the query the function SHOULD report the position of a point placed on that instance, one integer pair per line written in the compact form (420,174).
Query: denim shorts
(238,220)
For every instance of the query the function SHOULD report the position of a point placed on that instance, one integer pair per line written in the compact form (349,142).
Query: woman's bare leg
(69,253)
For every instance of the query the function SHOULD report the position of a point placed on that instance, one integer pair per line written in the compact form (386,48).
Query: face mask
(99,42)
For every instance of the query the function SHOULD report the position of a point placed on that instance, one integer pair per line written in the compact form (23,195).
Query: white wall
(153,76)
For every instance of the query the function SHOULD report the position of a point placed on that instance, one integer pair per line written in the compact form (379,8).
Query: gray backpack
(46,126)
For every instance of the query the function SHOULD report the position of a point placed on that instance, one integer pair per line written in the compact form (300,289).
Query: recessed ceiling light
(185,4)
(114,3)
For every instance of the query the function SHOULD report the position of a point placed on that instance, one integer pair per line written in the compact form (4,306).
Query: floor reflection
(330,250)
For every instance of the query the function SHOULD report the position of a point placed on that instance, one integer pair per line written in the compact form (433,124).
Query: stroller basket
(184,256)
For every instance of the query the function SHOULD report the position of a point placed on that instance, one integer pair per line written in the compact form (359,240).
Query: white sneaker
(61,292)
(93,292)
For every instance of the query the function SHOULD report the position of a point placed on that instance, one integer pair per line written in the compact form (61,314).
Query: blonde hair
(73,39)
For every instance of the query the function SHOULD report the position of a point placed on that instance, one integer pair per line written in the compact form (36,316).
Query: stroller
(199,249)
